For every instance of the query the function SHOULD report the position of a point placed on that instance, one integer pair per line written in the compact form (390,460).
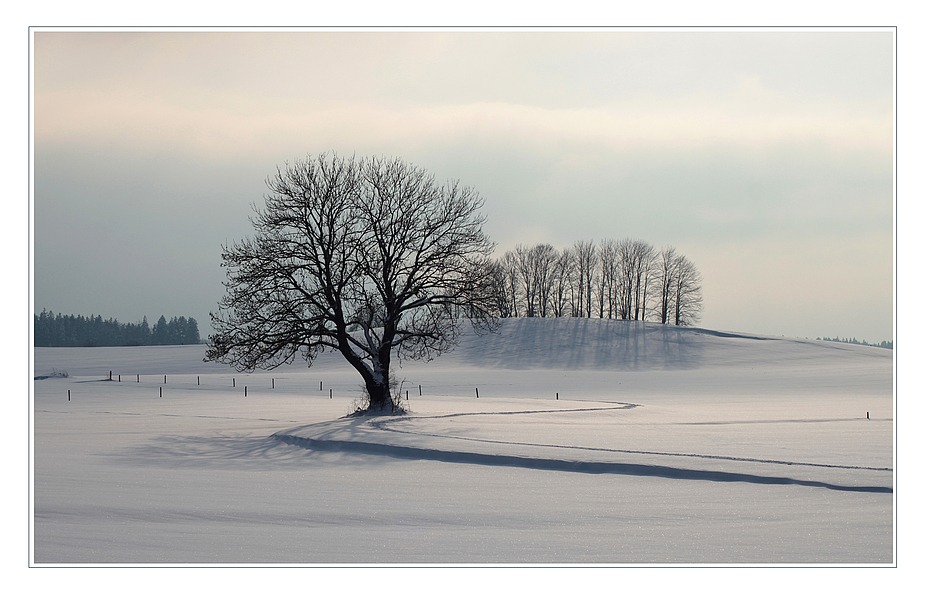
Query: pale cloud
(149,122)
(681,89)
(718,143)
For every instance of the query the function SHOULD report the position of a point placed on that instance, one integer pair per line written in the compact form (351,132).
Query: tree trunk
(375,378)
(379,397)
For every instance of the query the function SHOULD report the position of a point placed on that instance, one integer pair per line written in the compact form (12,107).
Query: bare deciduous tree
(523,257)
(563,283)
(688,299)
(586,261)
(502,298)
(607,278)
(644,256)
(665,279)
(366,257)
(543,258)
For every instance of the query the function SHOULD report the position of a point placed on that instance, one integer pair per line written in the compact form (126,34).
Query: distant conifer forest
(60,330)
(853,341)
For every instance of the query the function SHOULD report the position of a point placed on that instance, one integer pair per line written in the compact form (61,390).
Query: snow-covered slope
(553,441)
(520,344)
(596,344)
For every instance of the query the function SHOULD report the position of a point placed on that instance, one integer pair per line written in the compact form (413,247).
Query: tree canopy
(370,257)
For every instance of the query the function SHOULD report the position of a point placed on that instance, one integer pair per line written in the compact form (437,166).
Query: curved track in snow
(293,437)
(386,423)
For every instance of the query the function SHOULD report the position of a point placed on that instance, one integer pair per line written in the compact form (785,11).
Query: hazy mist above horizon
(765,157)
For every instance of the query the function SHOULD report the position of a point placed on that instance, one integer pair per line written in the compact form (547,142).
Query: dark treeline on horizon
(853,341)
(60,330)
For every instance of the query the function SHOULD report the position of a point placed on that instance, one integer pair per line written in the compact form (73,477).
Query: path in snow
(384,424)
(318,437)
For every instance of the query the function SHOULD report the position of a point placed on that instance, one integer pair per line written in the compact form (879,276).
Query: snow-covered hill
(521,344)
(553,441)
(600,344)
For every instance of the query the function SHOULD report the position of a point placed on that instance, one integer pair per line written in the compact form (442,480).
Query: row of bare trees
(627,279)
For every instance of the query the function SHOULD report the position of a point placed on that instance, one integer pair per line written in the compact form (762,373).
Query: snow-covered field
(664,446)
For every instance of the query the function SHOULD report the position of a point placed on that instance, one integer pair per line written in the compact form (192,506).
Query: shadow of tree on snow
(228,451)
(552,464)
(265,453)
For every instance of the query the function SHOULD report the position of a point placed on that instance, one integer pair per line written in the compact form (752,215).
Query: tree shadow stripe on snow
(547,464)
(384,425)
(640,452)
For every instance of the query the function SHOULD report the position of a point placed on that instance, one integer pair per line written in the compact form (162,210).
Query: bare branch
(363,256)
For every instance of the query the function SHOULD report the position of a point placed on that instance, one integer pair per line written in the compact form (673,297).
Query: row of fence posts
(160,389)
(273,385)
(233,385)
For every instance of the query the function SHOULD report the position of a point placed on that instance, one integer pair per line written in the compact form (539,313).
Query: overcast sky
(765,157)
